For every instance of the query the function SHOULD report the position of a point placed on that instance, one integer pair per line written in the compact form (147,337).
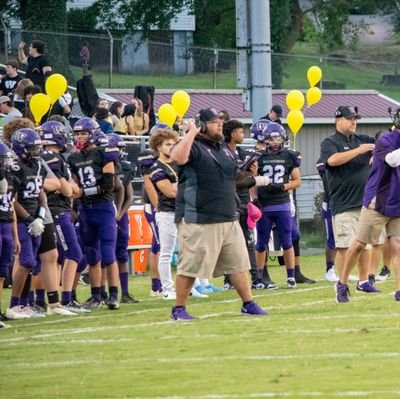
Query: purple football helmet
(54,133)
(100,138)
(257,128)
(119,142)
(6,157)
(88,125)
(26,144)
(274,136)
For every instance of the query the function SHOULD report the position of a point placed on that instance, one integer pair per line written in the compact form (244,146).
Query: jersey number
(87,177)
(33,189)
(275,173)
(5,202)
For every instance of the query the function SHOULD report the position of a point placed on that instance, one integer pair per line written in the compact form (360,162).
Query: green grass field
(308,347)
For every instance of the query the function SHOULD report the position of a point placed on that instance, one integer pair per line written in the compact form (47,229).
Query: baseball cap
(208,114)
(254,214)
(4,99)
(345,111)
(277,109)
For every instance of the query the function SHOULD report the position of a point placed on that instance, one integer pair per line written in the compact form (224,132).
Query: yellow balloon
(181,102)
(295,120)
(295,100)
(314,75)
(39,105)
(56,85)
(167,114)
(313,95)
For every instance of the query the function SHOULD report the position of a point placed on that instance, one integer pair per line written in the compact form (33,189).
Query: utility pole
(253,40)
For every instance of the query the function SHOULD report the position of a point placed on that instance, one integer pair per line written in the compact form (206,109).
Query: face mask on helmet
(84,130)
(117,141)
(6,158)
(26,144)
(274,142)
(274,136)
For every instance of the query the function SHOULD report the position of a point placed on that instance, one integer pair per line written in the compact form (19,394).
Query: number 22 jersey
(278,167)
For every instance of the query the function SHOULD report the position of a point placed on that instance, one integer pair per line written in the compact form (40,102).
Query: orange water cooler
(140,236)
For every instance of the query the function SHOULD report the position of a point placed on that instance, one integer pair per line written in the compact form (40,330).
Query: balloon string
(294,141)
(49,113)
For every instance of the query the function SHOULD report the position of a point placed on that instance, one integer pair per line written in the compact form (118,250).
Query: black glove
(275,188)
(257,203)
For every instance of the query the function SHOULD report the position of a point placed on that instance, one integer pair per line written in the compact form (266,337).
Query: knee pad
(107,255)
(92,256)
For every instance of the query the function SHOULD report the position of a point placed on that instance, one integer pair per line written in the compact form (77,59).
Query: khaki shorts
(215,249)
(345,228)
(372,226)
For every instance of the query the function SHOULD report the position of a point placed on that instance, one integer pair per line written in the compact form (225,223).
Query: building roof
(372,106)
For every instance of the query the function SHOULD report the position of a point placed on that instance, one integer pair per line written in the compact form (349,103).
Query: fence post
(111,58)
(215,69)
(5,39)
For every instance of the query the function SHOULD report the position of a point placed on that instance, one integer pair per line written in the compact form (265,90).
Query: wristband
(41,212)
(29,219)
(90,191)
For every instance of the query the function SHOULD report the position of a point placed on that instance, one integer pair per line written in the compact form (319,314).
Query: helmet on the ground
(54,133)
(26,144)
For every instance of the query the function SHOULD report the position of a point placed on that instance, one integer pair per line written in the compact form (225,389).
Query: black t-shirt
(278,167)
(88,169)
(57,202)
(6,200)
(346,182)
(162,171)
(207,185)
(31,177)
(34,69)
(8,84)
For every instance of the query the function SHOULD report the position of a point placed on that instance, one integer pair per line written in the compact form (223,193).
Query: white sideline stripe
(275,395)
(101,316)
(216,359)
(82,330)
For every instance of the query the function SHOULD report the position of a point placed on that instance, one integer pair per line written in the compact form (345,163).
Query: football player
(280,166)
(93,169)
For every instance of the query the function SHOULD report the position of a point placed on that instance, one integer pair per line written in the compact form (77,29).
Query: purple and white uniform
(97,223)
(275,205)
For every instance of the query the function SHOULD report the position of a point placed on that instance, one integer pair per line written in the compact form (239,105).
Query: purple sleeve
(111,154)
(157,175)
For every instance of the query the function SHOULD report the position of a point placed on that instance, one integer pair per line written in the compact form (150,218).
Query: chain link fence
(123,62)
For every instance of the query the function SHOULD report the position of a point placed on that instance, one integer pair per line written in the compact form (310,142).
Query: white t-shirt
(14,113)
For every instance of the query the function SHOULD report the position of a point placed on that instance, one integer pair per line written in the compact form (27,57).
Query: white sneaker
(32,313)
(330,276)
(196,294)
(169,295)
(156,294)
(17,313)
(58,309)
(353,278)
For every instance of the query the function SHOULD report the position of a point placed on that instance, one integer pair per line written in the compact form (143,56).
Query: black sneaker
(76,307)
(85,279)
(267,281)
(371,279)
(301,279)
(39,307)
(112,303)
(3,317)
(384,274)
(128,298)
(93,303)
(257,284)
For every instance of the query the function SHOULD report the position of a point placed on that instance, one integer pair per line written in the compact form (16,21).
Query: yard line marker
(200,359)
